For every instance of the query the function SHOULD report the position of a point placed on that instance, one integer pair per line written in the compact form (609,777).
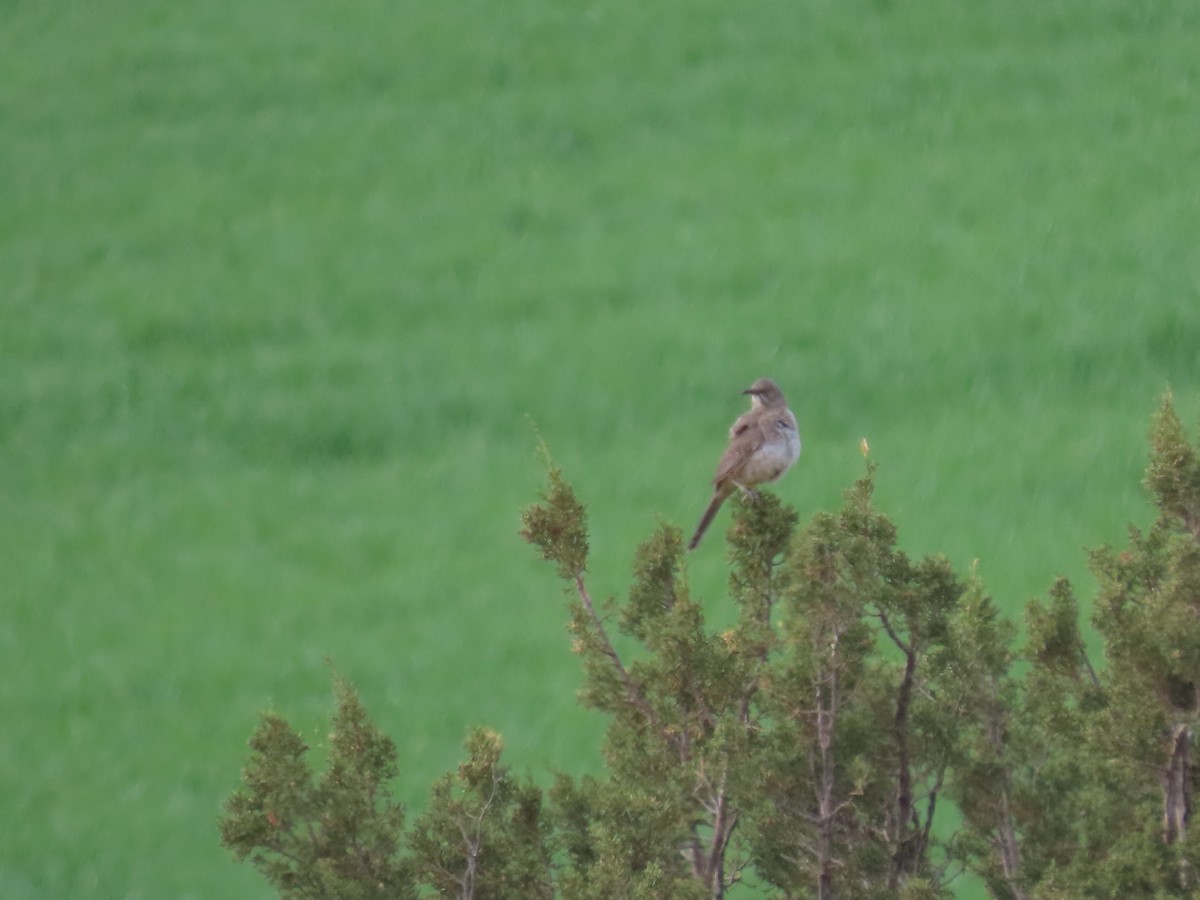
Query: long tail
(706,519)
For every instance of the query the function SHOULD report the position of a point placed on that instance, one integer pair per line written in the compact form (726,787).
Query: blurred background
(286,288)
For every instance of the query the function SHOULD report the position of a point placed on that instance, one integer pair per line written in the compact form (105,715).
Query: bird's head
(765,392)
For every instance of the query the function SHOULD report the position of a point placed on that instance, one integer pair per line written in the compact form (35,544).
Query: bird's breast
(773,458)
(793,445)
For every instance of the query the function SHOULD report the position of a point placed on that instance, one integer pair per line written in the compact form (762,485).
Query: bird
(764,443)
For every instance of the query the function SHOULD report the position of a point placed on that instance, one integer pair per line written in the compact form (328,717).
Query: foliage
(811,747)
(1092,767)
(484,833)
(333,837)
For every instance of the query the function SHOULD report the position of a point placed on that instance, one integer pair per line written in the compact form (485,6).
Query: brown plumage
(763,444)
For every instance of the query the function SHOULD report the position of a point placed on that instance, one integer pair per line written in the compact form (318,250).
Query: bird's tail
(706,519)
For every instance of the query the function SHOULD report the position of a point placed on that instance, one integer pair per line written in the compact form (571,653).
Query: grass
(283,284)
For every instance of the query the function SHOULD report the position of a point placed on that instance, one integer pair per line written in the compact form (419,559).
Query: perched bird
(763,444)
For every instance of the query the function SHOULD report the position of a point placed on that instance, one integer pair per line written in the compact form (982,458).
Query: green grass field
(283,284)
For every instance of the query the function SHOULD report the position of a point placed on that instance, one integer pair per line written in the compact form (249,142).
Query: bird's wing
(744,421)
(744,444)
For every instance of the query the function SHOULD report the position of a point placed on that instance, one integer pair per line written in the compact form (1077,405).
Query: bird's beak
(749,391)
